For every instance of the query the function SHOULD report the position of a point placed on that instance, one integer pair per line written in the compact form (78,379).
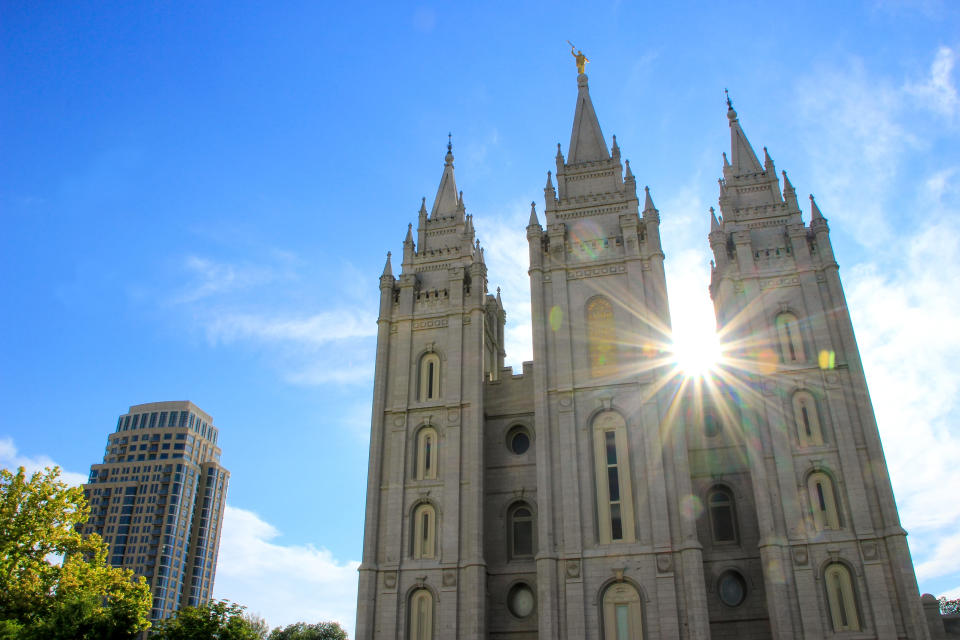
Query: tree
(215,620)
(946,606)
(304,631)
(82,597)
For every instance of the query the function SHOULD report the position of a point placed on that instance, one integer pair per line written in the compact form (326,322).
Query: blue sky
(197,202)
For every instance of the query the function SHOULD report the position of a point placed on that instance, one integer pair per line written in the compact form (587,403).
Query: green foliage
(304,631)
(215,620)
(82,598)
(946,606)
(259,626)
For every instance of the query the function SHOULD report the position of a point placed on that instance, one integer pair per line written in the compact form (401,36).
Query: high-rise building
(599,493)
(157,499)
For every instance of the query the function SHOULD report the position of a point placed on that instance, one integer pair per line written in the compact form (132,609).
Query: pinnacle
(387,270)
(648,201)
(814,210)
(714,223)
(533,215)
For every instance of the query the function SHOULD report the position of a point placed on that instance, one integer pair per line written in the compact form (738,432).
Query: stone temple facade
(600,494)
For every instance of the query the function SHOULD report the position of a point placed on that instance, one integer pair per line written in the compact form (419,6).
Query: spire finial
(582,60)
(449,142)
(729,101)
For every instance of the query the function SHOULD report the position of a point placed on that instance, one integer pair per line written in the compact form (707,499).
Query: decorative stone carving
(870,549)
(573,568)
(664,562)
(390,579)
(449,578)
(800,556)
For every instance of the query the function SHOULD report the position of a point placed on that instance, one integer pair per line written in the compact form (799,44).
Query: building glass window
(614,493)
(732,588)
(622,612)
(518,440)
(823,501)
(429,377)
(840,598)
(521,531)
(791,341)
(601,338)
(426,468)
(722,512)
(421,615)
(424,532)
(521,601)
(808,422)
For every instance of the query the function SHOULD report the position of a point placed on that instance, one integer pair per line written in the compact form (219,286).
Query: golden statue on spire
(582,60)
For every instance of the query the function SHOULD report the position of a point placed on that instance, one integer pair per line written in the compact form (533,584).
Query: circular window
(732,589)
(518,440)
(711,423)
(520,601)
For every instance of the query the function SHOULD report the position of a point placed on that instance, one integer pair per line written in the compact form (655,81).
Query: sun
(696,352)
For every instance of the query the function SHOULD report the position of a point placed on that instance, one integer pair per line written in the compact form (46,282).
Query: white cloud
(10,458)
(313,331)
(209,277)
(507,256)
(937,92)
(282,583)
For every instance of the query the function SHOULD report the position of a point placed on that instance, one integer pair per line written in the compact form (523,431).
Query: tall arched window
(823,501)
(429,377)
(614,491)
(601,338)
(840,598)
(421,615)
(791,341)
(808,422)
(520,531)
(424,532)
(426,463)
(622,612)
(723,515)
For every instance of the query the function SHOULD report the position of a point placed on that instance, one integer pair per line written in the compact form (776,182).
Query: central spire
(586,140)
(743,159)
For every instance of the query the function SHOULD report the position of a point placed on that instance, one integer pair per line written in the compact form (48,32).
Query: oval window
(521,601)
(732,589)
(518,440)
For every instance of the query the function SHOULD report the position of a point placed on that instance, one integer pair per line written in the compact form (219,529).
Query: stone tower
(612,546)
(827,548)
(440,337)
(599,493)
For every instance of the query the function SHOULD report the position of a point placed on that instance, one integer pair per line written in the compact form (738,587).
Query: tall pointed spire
(446,201)
(742,156)
(714,223)
(586,139)
(387,269)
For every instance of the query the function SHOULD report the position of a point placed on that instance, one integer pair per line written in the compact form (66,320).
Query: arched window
(520,531)
(614,492)
(791,341)
(823,501)
(622,612)
(808,423)
(429,377)
(424,532)
(601,338)
(840,598)
(426,463)
(421,615)
(723,515)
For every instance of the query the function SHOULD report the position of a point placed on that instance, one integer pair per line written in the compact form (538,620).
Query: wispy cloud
(507,256)
(314,330)
(208,277)
(288,583)
(10,458)
(937,92)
